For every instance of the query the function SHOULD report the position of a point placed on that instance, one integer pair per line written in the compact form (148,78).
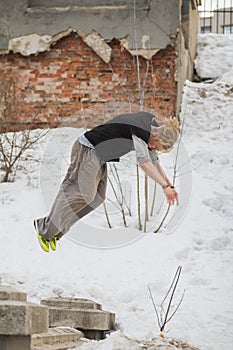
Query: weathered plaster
(145,51)
(30,44)
(24,23)
(97,43)
(34,43)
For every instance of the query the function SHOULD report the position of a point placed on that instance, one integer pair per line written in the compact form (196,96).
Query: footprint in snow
(213,203)
(221,202)
(183,254)
(222,243)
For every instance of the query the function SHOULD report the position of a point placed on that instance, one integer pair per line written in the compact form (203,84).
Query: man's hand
(171,195)
(157,174)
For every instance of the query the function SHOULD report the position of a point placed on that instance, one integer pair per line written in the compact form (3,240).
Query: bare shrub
(13,144)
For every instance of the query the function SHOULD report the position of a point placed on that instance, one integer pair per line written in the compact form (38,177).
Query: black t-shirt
(114,138)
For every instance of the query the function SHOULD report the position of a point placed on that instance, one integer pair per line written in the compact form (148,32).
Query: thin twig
(118,180)
(144,83)
(164,218)
(146,218)
(171,298)
(176,309)
(155,308)
(138,198)
(153,200)
(172,283)
(120,201)
(106,215)
(136,47)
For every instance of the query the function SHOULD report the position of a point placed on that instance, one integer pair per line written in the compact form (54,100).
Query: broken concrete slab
(83,314)
(22,318)
(97,43)
(56,338)
(81,319)
(9,293)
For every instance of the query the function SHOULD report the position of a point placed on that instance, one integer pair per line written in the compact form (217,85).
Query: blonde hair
(168,130)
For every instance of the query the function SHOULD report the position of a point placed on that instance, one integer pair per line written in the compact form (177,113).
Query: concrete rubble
(57,324)
(19,319)
(82,314)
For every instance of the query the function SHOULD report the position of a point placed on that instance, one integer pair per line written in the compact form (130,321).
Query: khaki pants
(82,190)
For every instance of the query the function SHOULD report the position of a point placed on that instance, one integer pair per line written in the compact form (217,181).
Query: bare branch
(173,281)
(117,177)
(164,218)
(163,318)
(153,200)
(155,308)
(171,298)
(138,199)
(13,143)
(176,309)
(107,216)
(119,200)
(146,218)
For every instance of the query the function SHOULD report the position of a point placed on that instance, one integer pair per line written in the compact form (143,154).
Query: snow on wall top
(214,56)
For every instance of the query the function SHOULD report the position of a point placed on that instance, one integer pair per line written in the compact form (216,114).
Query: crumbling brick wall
(56,87)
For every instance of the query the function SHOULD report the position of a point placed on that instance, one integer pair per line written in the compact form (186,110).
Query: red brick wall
(55,87)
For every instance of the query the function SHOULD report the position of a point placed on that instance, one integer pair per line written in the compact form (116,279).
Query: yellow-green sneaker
(43,241)
(53,243)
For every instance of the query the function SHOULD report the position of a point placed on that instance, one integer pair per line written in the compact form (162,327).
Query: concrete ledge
(56,338)
(71,303)
(82,319)
(22,318)
(83,314)
(8,293)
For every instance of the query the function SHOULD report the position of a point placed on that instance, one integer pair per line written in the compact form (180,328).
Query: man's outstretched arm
(162,172)
(157,173)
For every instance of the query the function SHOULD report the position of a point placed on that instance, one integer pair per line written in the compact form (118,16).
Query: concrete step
(72,303)
(20,319)
(23,318)
(9,293)
(59,338)
(82,314)
(81,319)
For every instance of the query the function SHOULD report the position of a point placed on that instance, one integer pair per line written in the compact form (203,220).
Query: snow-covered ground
(118,278)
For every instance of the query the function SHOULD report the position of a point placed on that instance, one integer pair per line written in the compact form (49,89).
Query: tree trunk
(6,176)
